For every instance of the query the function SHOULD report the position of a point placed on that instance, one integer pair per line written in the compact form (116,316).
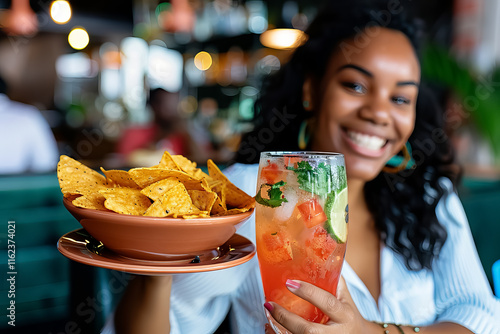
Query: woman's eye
(355,87)
(400,100)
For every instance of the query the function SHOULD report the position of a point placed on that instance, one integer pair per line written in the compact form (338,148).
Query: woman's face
(365,102)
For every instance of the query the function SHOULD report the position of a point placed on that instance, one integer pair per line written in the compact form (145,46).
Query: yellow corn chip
(167,162)
(197,185)
(233,211)
(221,190)
(235,197)
(77,179)
(218,207)
(121,178)
(147,176)
(90,201)
(174,203)
(189,167)
(126,201)
(157,189)
(202,214)
(203,200)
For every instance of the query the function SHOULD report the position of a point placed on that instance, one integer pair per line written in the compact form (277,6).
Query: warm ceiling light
(203,61)
(60,11)
(282,38)
(78,38)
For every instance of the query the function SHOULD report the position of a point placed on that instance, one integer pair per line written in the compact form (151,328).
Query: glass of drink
(301,220)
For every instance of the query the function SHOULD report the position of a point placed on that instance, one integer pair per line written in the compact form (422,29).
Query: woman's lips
(364,144)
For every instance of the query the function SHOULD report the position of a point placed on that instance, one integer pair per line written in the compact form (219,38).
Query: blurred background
(116,83)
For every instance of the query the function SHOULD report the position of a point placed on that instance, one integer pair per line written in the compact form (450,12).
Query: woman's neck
(359,213)
(355,189)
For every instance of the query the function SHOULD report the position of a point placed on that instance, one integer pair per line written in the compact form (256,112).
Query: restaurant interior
(120,82)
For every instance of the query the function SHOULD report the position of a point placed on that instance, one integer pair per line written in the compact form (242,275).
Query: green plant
(479,93)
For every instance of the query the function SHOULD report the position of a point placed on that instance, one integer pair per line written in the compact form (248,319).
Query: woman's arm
(462,292)
(145,306)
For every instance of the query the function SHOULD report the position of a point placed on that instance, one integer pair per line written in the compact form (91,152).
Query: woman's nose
(376,110)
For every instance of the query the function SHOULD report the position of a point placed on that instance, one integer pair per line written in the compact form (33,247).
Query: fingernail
(268,306)
(292,284)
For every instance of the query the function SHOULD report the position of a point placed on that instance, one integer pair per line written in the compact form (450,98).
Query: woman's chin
(363,171)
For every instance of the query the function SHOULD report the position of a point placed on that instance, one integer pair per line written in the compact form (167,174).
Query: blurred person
(411,264)
(168,131)
(27,143)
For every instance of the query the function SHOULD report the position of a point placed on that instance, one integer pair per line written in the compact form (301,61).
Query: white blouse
(456,290)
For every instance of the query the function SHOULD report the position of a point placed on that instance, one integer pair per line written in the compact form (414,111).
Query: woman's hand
(343,313)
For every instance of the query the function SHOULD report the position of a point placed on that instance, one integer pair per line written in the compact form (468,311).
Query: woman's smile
(365,144)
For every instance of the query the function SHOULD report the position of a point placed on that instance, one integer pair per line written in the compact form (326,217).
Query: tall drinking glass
(301,224)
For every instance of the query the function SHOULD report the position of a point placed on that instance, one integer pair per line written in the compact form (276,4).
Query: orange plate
(78,245)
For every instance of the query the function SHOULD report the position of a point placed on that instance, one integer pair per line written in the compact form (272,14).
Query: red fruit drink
(301,225)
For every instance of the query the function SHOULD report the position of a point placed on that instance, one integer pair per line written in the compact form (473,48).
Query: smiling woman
(354,88)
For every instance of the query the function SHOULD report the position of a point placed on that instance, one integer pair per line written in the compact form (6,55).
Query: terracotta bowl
(157,239)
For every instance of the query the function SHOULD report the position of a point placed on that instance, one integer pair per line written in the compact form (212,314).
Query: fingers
(268,329)
(343,293)
(324,300)
(284,322)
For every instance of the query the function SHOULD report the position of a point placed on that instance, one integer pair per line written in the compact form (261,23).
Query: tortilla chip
(221,190)
(77,179)
(189,167)
(120,178)
(235,197)
(147,176)
(126,201)
(174,203)
(197,185)
(157,189)
(90,201)
(203,200)
(202,214)
(213,183)
(218,207)
(167,162)
(233,211)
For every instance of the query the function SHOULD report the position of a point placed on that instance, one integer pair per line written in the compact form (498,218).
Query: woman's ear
(307,94)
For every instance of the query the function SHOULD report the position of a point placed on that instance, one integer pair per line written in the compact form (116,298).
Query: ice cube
(284,212)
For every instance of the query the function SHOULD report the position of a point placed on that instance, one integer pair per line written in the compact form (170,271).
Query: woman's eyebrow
(370,74)
(408,83)
(357,68)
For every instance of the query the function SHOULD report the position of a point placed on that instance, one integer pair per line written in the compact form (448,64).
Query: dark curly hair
(403,204)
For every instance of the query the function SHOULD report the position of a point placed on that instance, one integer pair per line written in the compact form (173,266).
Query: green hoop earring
(304,136)
(398,163)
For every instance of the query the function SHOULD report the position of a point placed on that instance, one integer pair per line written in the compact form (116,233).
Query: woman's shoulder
(449,209)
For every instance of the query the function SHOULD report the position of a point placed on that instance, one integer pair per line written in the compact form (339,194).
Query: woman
(351,88)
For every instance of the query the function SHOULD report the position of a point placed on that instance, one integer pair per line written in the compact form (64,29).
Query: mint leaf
(275,194)
(320,180)
(341,178)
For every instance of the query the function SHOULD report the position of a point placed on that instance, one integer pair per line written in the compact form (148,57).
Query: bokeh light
(60,11)
(203,61)
(282,38)
(78,38)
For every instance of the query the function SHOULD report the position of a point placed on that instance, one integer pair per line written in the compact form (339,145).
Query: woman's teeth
(367,141)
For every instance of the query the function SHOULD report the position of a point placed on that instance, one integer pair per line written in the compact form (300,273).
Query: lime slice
(336,212)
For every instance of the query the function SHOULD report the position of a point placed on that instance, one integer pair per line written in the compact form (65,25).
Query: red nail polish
(268,306)
(292,284)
